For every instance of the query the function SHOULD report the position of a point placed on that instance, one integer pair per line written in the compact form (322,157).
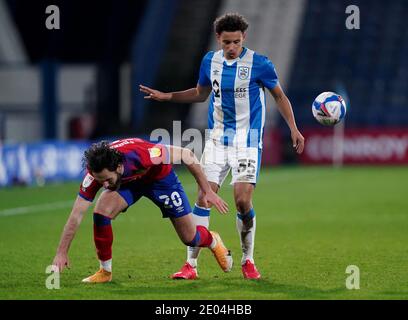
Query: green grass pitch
(312,222)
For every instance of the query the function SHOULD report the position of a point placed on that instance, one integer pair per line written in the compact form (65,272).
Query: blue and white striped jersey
(236,113)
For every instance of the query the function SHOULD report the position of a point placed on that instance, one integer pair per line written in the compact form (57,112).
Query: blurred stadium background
(80,83)
(62,89)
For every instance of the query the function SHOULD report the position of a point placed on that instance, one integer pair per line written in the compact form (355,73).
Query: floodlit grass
(312,222)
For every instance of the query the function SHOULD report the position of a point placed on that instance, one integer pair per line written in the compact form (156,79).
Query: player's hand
(61,261)
(211,198)
(298,141)
(154,94)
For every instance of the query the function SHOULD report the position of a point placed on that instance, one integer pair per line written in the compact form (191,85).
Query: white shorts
(217,160)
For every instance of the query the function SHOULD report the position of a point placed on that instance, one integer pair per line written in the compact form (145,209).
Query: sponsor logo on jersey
(240,93)
(216,88)
(87,181)
(155,152)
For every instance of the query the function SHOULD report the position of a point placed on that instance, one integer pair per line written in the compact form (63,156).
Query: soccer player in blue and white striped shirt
(236,78)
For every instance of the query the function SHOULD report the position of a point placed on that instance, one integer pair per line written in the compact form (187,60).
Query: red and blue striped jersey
(144,162)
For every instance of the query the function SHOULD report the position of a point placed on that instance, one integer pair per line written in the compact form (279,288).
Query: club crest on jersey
(243,73)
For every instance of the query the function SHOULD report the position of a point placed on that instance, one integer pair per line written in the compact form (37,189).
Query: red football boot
(187,272)
(249,271)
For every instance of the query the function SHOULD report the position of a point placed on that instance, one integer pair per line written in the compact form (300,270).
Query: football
(329,108)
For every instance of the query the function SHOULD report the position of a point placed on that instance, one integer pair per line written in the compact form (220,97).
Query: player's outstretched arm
(285,109)
(178,155)
(61,258)
(197,94)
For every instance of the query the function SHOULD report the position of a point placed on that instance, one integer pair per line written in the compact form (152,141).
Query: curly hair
(230,22)
(101,156)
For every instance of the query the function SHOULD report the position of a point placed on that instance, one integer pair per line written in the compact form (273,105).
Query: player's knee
(107,211)
(189,243)
(189,240)
(189,236)
(243,204)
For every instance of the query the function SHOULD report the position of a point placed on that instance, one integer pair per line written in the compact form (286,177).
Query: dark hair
(230,22)
(101,156)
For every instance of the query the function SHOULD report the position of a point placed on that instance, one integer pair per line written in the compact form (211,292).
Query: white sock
(246,233)
(193,252)
(213,244)
(106,265)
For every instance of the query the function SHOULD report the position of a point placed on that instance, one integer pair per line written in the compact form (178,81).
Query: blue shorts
(168,194)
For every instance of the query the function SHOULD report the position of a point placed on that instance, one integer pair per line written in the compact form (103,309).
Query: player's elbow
(202,95)
(279,97)
(202,99)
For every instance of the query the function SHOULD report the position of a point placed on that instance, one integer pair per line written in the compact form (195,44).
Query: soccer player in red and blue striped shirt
(127,170)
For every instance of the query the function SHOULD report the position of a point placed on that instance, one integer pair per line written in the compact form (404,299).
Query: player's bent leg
(201,217)
(202,237)
(215,170)
(103,239)
(243,196)
(108,206)
(185,228)
(246,226)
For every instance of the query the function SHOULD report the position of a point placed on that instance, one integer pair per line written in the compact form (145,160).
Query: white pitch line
(190,187)
(36,208)
(53,206)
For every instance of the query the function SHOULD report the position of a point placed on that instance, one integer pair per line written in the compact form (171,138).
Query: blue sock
(245,217)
